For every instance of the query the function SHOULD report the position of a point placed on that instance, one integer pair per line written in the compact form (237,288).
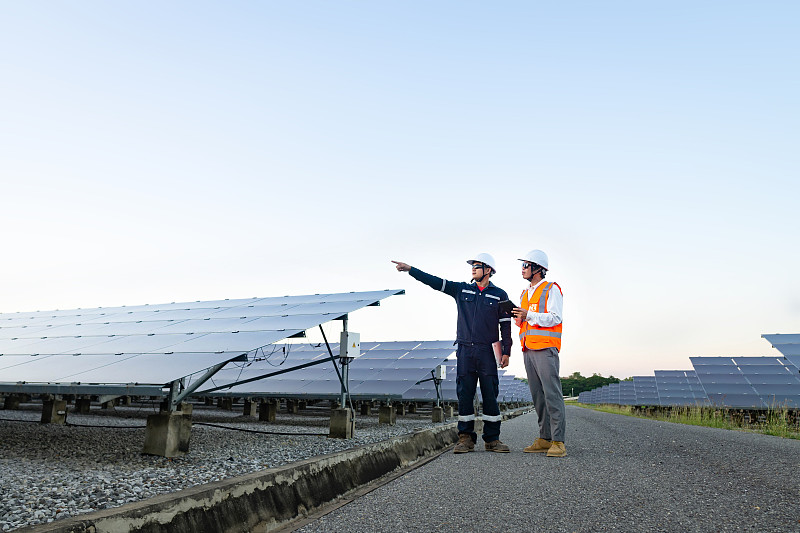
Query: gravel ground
(49,472)
(621,474)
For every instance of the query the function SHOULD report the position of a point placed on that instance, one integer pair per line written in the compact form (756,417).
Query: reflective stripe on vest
(543,333)
(537,337)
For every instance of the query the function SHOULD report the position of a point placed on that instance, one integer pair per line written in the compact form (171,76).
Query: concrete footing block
(412,408)
(54,412)
(12,402)
(437,414)
(82,406)
(268,411)
(400,409)
(365,408)
(448,411)
(292,406)
(343,425)
(250,408)
(167,434)
(387,415)
(109,405)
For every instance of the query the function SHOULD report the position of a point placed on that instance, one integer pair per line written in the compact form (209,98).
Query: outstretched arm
(447,287)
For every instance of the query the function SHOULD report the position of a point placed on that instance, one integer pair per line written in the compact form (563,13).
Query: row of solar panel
(137,348)
(199,327)
(737,382)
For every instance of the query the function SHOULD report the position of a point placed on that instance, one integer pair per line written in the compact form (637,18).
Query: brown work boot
(465,444)
(496,446)
(557,449)
(540,445)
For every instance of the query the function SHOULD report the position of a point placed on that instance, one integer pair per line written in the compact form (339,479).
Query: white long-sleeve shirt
(555,304)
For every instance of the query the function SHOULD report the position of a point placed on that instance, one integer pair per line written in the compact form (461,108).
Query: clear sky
(176,151)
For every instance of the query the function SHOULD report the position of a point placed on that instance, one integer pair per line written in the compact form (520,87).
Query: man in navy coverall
(479,318)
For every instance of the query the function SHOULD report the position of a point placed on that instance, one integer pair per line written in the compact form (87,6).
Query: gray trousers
(542,367)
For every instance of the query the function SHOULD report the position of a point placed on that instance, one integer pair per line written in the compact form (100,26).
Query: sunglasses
(528,265)
(478,265)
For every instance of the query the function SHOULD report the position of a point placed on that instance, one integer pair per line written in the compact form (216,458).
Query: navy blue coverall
(479,318)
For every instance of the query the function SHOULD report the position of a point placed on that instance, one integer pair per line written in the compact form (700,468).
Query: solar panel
(724,384)
(675,389)
(156,344)
(613,393)
(646,390)
(69,322)
(627,393)
(604,394)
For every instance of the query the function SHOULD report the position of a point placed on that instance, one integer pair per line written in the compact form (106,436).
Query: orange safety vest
(538,337)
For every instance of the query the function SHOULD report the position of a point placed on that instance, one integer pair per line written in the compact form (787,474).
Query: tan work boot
(464,445)
(540,445)
(496,446)
(557,449)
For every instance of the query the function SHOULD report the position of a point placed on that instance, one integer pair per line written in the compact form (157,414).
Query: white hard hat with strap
(484,258)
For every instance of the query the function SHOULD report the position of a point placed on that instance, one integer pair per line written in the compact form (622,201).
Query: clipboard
(506,306)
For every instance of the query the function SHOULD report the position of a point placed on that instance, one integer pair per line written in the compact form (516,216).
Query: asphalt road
(621,474)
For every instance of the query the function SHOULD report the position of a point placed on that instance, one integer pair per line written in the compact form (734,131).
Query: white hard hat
(485,259)
(538,257)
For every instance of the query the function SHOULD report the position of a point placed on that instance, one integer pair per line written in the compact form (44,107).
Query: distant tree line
(576,384)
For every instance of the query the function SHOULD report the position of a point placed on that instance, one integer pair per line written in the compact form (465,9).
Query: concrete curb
(265,500)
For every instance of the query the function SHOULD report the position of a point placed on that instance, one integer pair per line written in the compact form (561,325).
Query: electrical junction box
(350,344)
(441,372)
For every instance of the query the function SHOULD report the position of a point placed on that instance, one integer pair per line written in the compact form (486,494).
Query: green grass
(778,422)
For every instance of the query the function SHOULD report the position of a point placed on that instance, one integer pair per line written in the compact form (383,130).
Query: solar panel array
(731,382)
(155,344)
(749,382)
(512,389)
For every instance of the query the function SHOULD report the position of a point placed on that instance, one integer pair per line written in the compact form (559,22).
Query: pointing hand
(402,267)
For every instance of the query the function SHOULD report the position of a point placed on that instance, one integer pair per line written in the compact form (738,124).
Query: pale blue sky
(154,152)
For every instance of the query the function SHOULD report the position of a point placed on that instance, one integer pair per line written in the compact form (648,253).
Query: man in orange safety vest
(539,320)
